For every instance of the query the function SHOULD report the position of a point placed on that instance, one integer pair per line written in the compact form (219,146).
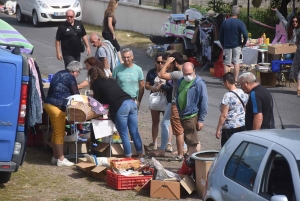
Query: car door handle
(225,188)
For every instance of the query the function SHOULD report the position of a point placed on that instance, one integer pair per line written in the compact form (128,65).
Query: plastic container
(203,161)
(122,182)
(277,63)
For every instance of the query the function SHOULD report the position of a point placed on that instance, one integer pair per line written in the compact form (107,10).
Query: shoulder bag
(239,98)
(82,47)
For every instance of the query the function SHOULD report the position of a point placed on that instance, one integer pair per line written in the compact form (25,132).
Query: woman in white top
(232,117)
(93,62)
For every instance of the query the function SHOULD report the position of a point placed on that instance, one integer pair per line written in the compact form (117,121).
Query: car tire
(4,177)
(35,19)
(19,15)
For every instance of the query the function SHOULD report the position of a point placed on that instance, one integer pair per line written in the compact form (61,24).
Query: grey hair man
(231,40)
(68,37)
(259,109)
(106,52)
(130,76)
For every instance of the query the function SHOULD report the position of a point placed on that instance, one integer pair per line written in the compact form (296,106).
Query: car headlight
(42,4)
(76,4)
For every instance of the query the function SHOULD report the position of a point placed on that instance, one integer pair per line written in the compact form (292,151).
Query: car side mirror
(279,198)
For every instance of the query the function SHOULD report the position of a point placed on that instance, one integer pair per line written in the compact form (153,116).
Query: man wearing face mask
(192,104)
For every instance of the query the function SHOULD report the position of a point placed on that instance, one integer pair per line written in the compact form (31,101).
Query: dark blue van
(14,78)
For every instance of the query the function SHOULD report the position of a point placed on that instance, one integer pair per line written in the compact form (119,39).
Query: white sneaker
(169,148)
(64,162)
(54,161)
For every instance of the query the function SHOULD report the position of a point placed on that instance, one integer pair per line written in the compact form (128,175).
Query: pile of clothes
(9,7)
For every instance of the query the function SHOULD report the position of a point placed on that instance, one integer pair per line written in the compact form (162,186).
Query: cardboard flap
(166,188)
(99,169)
(101,147)
(188,184)
(139,188)
(85,165)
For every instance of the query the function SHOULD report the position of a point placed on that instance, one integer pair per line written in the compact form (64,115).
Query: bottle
(264,38)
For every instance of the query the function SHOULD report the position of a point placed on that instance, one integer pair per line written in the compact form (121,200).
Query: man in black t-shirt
(68,37)
(259,109)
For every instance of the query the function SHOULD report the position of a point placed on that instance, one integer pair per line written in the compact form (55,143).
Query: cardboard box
(125,164)
(97,172)
(82,147)
(202,168)
(178,47)
(266,79)
(117,150)
(282,48)
(171,189)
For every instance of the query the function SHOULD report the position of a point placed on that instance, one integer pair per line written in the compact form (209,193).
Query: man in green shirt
(192,104)
(130,76)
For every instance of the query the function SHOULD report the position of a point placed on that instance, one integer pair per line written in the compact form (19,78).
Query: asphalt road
(287,104)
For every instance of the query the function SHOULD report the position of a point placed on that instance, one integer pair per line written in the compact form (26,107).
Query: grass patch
(125,38)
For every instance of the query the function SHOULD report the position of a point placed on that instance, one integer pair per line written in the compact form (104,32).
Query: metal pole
(165,4)
(248,14)
(140,2)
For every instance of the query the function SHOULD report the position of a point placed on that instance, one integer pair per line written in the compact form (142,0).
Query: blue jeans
(164,126)
(126,119)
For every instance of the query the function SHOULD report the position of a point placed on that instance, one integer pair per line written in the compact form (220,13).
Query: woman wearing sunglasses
(154,84)
(293,36)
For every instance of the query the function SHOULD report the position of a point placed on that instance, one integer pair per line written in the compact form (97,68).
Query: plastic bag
(158,101)
(193,14)
(162,173)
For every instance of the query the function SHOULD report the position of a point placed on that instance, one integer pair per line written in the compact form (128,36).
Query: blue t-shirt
(231,33)
(62,85)
(128,78)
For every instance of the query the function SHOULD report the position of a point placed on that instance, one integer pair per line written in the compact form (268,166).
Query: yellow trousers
(58,123)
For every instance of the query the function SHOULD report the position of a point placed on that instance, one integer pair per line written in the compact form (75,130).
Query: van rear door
(10,89)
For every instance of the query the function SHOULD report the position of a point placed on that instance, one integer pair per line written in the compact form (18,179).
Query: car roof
(288,138)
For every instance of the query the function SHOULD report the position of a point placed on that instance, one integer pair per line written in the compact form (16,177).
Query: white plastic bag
(158,101)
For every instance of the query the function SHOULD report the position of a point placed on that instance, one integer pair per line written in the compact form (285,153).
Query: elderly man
(130,76)
(259,109)
(68,37)
(106,52)
(192,104)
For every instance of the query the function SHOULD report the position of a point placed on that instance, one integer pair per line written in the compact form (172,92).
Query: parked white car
(257,166)
(46,10)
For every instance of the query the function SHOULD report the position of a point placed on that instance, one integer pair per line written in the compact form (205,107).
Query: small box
(178,47)
(82,147)
(266,79)
(117,150)
(171,189)
(277,63)
(125,164)
(97,172)
(282,48)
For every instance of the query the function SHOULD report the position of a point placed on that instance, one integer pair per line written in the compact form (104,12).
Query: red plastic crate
(122,182)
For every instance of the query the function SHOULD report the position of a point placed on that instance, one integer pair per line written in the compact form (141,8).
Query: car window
(243,165)
(277,178)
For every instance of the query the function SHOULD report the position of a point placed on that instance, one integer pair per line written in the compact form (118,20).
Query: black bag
(82,46)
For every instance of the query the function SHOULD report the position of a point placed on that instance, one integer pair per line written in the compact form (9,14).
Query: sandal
(158,152)
(179,158)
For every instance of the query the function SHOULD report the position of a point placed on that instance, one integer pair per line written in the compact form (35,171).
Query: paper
(103,128)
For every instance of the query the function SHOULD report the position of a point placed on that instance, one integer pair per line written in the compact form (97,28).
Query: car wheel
(20,16)
(4,177)
(35,19)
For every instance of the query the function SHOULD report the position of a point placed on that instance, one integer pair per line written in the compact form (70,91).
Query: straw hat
(211,13)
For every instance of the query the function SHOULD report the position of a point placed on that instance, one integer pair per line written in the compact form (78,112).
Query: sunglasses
(160,62)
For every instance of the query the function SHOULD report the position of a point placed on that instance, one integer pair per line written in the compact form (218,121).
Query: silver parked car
(257,166)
